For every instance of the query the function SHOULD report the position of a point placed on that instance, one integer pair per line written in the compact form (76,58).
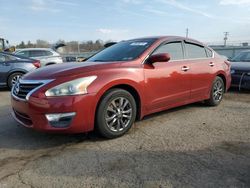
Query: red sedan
(120,84)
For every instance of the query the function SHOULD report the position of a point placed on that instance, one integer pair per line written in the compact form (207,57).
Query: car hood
(68,69)
(240,65)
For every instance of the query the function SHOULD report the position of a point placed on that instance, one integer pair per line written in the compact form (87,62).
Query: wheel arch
(131,89)
(223,77)
(13,72)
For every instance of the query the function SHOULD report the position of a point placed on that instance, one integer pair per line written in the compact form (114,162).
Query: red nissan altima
(120,84)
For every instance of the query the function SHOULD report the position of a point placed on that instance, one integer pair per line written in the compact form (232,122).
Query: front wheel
(217,92)
(116,113)
(13,78)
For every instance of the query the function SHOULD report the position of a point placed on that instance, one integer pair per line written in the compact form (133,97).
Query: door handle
(211,64)
(185,68)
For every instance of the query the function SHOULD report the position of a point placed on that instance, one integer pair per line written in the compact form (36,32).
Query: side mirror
(162,57)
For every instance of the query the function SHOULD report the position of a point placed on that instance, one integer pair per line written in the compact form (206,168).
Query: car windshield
(123,51)
(243,57)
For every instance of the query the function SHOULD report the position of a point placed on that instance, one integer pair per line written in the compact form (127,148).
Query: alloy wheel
(118,114)
(15,79)
(218,91)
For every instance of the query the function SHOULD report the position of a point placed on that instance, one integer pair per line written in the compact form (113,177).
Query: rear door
(167,84)
(202,68)
(39,55)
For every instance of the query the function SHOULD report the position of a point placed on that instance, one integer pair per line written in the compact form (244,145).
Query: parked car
(240,70)
(13,67)
(120,84)
(46,56)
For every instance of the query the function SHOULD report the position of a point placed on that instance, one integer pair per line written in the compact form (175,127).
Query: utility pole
(225,38)
(187,32)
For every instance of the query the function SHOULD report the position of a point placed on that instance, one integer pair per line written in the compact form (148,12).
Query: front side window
(174,49)
(194,51)
(123,51)
(23,53)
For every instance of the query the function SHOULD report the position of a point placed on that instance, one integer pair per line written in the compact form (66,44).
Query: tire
(13,78)
(217,92)
(113,119)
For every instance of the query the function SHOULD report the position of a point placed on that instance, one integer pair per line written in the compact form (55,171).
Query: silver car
(46,56)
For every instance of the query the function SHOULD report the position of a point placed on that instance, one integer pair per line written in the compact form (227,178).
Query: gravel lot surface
(190,146)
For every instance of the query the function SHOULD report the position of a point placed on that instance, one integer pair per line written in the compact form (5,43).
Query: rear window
(194,51)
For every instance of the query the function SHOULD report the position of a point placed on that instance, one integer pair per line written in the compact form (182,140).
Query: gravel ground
(190,146)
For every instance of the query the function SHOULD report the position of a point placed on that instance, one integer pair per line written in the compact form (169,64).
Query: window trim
(190,59)
(164,43)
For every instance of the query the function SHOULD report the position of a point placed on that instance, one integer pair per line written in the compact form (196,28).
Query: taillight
(36,63)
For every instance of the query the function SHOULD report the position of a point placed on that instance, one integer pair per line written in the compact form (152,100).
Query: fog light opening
(60,120)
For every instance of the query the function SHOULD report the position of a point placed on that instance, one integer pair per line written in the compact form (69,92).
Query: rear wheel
(116,113)
(13,78)
(217,92)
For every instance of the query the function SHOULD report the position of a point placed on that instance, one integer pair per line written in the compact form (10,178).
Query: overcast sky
(23,20)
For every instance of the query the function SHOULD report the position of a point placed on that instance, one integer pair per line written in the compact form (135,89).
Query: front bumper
(241,81)
(32,113)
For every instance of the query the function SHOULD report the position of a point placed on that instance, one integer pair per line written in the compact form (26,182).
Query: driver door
(167,84)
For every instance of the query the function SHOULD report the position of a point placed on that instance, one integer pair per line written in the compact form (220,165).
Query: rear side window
(194,51)
(48,53)
(209,52)
(37,53)
(174,49)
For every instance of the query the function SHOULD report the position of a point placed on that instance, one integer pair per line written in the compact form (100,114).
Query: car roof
(171,38)
(27,49)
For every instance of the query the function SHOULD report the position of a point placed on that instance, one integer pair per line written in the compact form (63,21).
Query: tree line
(71,47)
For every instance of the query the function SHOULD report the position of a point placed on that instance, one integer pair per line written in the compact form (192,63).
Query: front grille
(25,119)
(21,90)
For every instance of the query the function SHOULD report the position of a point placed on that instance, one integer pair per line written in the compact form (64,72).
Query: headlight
(248,74)
(74,87)
(232,71)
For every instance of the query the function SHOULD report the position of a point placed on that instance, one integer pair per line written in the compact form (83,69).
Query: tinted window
(209,52)
(37,53)
(5,58)
(123,51)
(48,53)
(174,49)
(23,53)
(243,56)
(194,51)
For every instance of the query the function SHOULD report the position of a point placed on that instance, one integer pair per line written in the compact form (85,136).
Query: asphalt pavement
(190,146)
